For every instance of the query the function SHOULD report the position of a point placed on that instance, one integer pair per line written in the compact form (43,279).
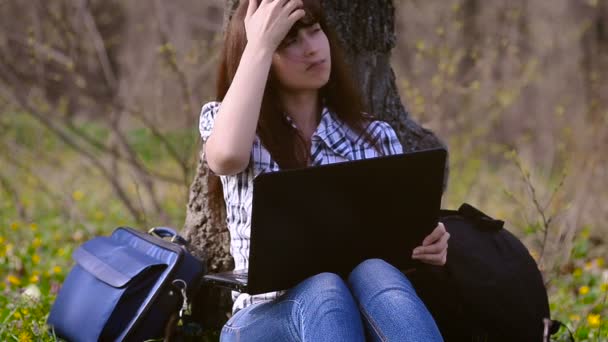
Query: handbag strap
(554,327)
(166,232)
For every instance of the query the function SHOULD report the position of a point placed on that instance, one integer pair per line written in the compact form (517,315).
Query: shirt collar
(332,132)
(328,124)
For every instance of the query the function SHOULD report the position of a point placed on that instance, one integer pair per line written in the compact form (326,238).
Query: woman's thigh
(320,308)
(265,321)
(390,307)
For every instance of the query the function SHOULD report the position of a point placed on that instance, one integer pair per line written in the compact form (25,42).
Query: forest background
(99,104)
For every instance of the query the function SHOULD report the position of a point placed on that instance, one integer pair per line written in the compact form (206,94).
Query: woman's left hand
(434,249)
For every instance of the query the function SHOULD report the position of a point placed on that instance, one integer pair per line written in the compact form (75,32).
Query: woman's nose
(309,46)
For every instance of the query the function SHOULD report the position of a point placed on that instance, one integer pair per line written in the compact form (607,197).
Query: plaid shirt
(333,141)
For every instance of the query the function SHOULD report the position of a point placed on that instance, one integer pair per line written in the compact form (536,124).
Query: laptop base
(234,280)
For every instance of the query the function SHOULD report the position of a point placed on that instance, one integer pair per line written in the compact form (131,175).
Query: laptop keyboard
(240,274)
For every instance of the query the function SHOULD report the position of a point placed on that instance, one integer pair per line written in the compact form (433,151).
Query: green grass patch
(35,250)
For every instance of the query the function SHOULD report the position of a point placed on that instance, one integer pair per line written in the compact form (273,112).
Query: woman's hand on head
(267,25)
(434,249)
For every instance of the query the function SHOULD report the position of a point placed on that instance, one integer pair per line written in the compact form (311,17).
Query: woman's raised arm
(229,146)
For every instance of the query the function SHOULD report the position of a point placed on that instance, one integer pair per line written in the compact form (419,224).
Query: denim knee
(326,290)
(374,267)
(325,303)
(389,304)
(323,284)
(370,264)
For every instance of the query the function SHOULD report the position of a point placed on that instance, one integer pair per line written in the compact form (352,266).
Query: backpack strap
(479,218)
(554,327)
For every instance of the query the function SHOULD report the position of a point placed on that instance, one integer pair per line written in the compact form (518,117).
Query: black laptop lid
(329,218)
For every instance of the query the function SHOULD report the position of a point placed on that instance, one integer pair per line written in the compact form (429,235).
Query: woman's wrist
(258,51)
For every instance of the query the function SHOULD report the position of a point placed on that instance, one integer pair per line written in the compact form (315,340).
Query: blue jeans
(378,302)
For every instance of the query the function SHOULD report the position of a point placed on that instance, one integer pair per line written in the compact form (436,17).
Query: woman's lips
(316,64)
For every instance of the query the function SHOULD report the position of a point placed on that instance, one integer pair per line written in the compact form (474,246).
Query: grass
(64,203)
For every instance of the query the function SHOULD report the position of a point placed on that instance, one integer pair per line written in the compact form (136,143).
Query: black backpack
(490,288)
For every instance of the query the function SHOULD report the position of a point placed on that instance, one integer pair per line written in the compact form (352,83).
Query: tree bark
(366,28)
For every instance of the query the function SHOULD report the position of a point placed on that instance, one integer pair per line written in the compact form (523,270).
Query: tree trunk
(366,28)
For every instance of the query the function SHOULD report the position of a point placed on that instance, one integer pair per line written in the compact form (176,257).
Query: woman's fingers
(291,5)
(278,4)
(435,248)
(435,235)
(251,8)
(433,259)
(267,24)
(296,15)
(294,11)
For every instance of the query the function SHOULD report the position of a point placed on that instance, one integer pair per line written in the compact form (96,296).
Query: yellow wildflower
(575,318)
(599,262)
(15,225)
(604,287)
(56,269)
(25,312)
(34,227)
(13,280)
(577,273)
(77,195)
(583,290)
(37,242)
(34,279)
(36,259)
(99,215)
(17,315)
(593,320)
(1,240)
(25,336)
(588,265)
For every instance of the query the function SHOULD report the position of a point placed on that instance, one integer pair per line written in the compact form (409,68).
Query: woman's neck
(304,109)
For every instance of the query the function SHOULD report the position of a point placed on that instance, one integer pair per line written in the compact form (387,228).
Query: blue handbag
(125,286)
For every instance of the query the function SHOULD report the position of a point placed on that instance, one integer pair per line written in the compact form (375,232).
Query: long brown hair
(286,146)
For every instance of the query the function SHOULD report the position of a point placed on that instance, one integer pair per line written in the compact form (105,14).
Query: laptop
(329,218)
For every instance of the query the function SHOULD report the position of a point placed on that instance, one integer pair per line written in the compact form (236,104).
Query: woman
(287,101)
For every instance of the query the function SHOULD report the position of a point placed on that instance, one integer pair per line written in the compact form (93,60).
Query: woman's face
(303,60)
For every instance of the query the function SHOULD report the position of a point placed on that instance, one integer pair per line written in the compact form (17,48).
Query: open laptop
(329,218)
